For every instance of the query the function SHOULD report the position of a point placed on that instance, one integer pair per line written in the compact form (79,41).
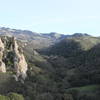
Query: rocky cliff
(12,57)
(20,63)
(2,64)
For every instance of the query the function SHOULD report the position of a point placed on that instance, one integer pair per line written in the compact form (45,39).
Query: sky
(44,16)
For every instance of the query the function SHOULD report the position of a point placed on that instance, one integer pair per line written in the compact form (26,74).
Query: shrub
(4,97)
(15,96)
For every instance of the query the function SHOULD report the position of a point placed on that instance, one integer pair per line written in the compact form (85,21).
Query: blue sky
(44,16)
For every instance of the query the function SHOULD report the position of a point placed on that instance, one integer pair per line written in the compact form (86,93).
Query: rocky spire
(20,63)
(2,64)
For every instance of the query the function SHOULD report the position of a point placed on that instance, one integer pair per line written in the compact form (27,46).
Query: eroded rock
(20,63)
(2,64)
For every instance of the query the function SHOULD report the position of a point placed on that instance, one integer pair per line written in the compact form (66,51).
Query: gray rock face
(20,63)
(11,53)
(2,67)
(2,64)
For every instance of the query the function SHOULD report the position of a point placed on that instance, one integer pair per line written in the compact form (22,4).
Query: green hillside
(68,70)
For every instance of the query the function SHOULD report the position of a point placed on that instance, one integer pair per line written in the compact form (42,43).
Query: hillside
(75,62)
(72,45)
(37,40)
(66,69)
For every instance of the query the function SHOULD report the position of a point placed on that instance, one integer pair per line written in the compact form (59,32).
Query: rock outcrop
(20,63)
(12,57)
(2,64)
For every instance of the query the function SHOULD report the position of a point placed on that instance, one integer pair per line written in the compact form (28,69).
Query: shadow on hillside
(64,48)
(72,56)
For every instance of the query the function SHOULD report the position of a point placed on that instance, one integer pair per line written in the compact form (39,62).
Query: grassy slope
(88,88)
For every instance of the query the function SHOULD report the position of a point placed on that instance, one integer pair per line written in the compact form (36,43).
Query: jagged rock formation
(12,57)
(19,61)
(2,64)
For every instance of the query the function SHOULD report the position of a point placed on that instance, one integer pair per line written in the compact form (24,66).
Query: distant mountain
(29,35)
(37,40)
(80,34)
(55,35)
